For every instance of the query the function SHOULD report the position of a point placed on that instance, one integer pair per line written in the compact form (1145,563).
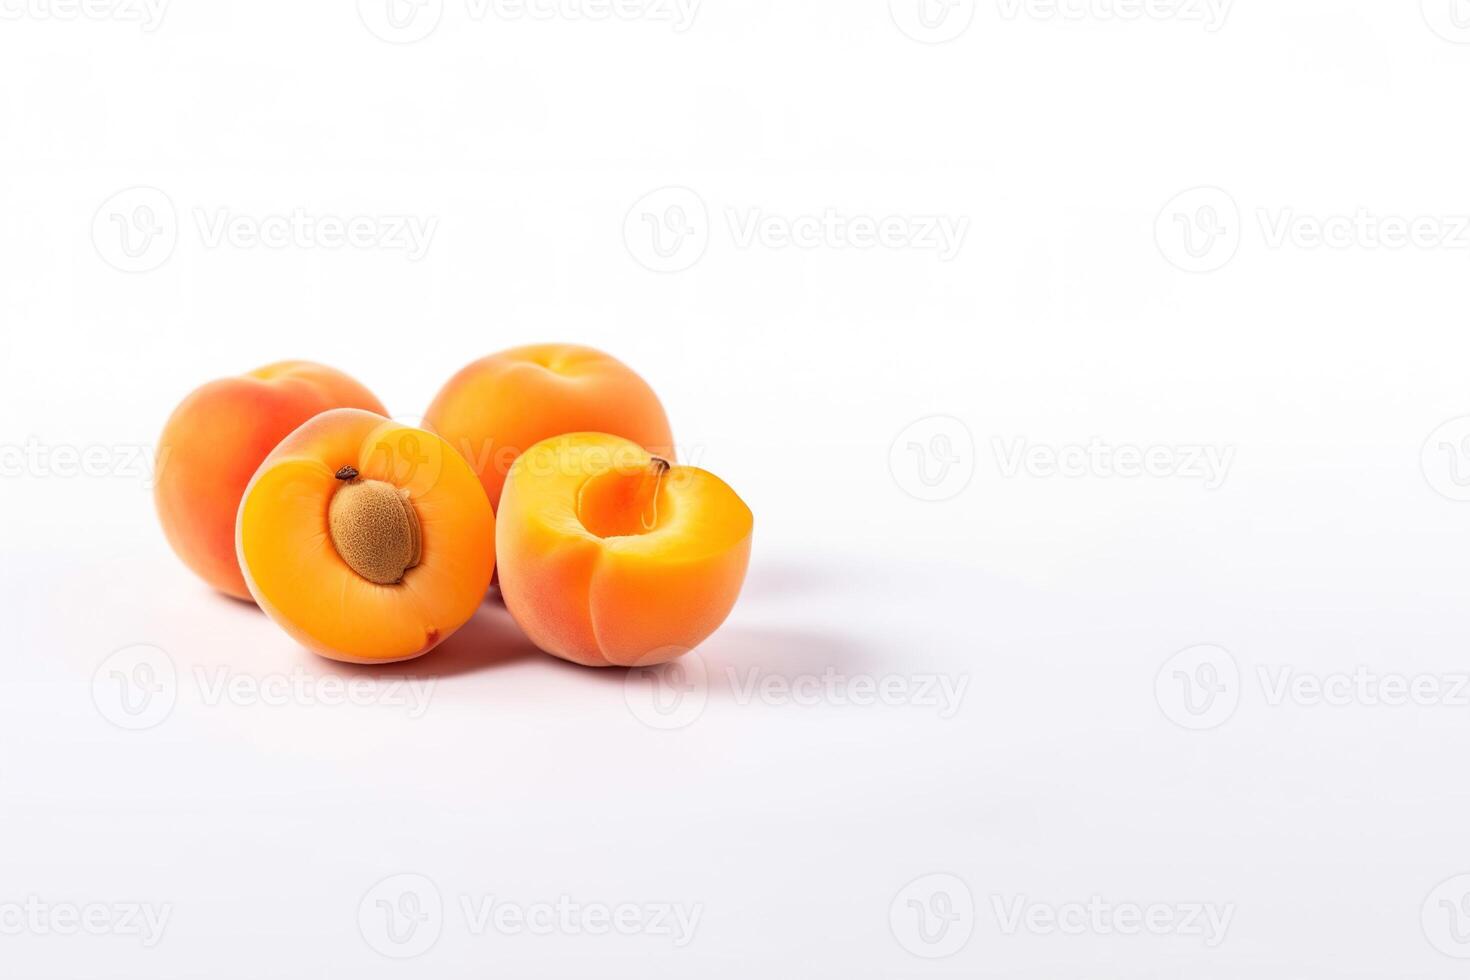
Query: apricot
(501,405)
(367,540)
(214,442)
(611,555)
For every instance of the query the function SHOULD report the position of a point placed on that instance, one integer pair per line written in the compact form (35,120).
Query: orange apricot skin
(499,406)
(213,443)
(298,578)
(630,600)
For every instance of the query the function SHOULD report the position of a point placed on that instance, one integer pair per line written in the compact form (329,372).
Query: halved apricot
(367,540)
(611,555)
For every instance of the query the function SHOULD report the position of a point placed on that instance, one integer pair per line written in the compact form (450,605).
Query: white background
(1087,303)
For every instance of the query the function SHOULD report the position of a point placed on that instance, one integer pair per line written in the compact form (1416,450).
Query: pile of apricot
(371,541)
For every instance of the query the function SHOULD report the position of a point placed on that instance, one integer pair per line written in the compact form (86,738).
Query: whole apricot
(501,405)
(213,444)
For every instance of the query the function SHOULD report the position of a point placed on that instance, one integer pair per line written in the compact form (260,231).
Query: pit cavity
(620,503)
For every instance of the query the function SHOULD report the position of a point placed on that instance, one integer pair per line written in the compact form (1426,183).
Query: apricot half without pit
(610,555)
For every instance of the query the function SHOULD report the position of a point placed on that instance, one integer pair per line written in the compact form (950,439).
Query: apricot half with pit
(367,540)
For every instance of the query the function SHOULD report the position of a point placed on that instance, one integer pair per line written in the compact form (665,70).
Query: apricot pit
(375,528)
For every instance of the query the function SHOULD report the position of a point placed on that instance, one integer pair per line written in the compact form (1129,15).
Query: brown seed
(375,529)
